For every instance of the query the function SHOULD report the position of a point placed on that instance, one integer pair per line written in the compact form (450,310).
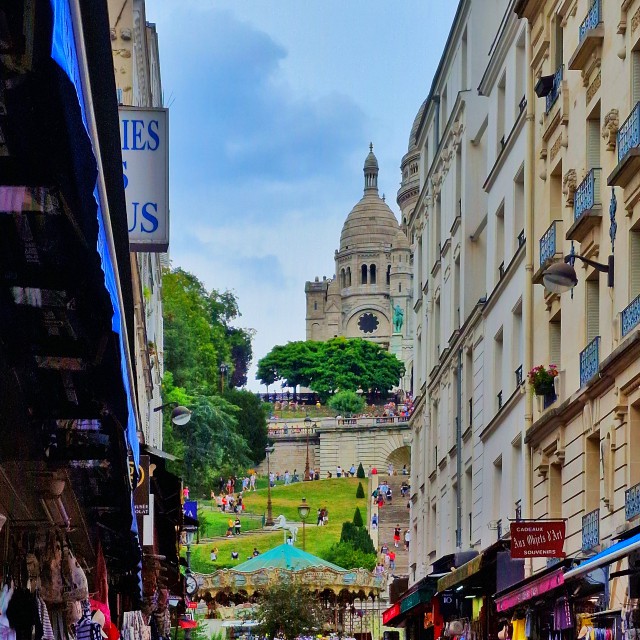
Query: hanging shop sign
(539,539)
(141,492)
(144,141)
(190,509)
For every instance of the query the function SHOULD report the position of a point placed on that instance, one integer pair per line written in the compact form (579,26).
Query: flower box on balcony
(587,207)
(591,36)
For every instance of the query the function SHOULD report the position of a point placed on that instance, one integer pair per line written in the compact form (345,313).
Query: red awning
(392,612)
(531,590)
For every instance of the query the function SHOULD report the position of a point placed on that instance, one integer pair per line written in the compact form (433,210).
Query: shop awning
(530,590)
(614,552)
(420,594)
(461,573)
(389,615)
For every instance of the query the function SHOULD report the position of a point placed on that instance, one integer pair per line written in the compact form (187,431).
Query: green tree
(289,610)
(357,518)
(345,555)
(252,421)
(357,536)
(360,491)
(347,402)
(339,364)
(360,473)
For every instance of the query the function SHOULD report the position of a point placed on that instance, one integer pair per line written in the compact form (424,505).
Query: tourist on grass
(352,470)
(237,526)
(255,552)
(230,527)
(338,471)
(252,481)
(234,555)
(325,515)
(289,539)
(214,554)
(319,521)
(287,477)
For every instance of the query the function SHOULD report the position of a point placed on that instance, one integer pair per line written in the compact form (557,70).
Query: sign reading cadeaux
(538,539)
(144,141)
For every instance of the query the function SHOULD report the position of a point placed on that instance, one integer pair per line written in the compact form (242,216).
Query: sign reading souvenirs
(539,539)
(141,492)
(144,140)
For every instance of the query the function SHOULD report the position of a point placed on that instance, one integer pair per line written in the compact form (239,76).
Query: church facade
(370,294)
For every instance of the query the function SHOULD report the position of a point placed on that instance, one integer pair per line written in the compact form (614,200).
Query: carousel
(349,598)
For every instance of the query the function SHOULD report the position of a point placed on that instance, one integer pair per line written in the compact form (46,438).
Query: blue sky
(273,104)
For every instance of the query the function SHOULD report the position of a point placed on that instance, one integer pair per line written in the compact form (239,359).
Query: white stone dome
(371,222)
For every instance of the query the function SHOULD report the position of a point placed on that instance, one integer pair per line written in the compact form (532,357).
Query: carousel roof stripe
(285,556)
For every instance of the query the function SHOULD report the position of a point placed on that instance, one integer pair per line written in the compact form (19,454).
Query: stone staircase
(389,516)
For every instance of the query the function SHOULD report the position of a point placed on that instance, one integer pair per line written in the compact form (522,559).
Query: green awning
(461,573)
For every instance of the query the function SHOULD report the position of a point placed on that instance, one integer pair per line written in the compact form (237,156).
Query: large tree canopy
(338,364)
(225,434)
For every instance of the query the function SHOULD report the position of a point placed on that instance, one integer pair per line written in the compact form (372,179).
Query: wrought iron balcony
(628,142)
(630,316)
(587,206)
(548,247)
(591,21)
(632,502)
(628,136)
(552,96)
(591,530)
(589,361)
(587,194)
(590,38)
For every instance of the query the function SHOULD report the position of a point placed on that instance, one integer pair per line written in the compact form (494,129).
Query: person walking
(252,481)
(396,536)
(237,525)
(374,521)
(319,522)
(407,539)
(392,560)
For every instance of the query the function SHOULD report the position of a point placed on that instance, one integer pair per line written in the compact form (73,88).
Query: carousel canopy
(285,562)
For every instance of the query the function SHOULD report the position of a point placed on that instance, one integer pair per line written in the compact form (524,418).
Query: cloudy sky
(273,104)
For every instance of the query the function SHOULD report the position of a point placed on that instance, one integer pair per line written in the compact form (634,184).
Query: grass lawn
(337,495)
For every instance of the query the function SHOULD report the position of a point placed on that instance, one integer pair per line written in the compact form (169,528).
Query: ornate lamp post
(269,449)
(303,512)
(224,367)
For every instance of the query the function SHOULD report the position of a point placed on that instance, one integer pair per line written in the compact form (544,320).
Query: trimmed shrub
(360,491)
(360,473)
(357,518)
(357,536)
(346,556)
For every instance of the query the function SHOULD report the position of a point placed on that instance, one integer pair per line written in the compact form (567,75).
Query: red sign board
(530,591)
(539,539)
(391,613)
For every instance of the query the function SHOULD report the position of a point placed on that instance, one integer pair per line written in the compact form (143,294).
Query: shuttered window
(554,342)
(593,143)
(592,293)
(634,264)
(635,77)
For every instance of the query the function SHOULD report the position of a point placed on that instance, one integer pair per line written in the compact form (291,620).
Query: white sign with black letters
(144,140)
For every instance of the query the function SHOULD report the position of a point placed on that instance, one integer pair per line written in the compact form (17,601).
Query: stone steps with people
(391,515)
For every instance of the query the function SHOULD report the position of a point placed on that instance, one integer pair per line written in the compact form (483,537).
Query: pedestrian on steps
(396,536)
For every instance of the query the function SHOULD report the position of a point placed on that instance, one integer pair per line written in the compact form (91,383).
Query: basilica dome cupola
(371,171)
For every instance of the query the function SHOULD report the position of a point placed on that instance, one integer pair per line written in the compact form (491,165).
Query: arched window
(388,274)
(372,274)
(343,279)
(348,276)
(363,274)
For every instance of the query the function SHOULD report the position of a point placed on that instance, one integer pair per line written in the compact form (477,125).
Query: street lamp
(307,425)
(303,512)
(269,449)
(561,276)
(224,367)
(179,416)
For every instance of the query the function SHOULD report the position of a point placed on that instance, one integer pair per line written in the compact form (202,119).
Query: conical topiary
(357,518)
(360,472)
(360,491)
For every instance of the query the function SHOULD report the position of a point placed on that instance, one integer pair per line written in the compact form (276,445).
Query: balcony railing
(632,502)
(628,135)
(552,96)
(499,399)
(630,316)
(591,530)
(591,21)
(518,373)
(501,270)
(589,361)
(521,239)
(587,194)
(548,243)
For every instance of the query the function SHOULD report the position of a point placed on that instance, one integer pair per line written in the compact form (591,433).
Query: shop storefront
(68,423)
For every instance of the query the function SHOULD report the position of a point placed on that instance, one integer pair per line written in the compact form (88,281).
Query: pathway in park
(390,515)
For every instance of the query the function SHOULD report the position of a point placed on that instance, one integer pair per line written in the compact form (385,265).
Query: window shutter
(635,77)
(554,343)
(593,144)
(634,264)
(593,309)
